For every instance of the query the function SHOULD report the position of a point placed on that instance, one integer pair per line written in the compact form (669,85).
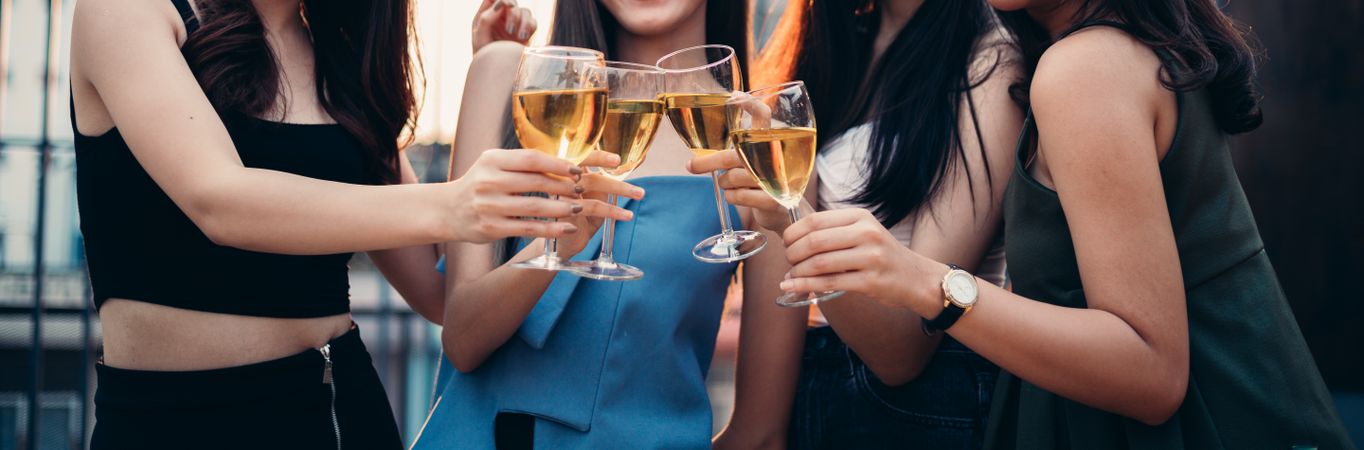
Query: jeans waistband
(277,377)
(823,342)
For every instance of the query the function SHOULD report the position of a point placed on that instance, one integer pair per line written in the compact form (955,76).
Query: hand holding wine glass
(559,108)
(593,201)
(774,132)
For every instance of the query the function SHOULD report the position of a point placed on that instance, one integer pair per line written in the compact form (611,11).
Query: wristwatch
(959,295)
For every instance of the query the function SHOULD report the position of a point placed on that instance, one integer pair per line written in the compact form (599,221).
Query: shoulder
(1096,62)
(497,55)
(98,20)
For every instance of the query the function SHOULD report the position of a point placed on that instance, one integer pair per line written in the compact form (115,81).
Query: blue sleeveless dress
(603,364)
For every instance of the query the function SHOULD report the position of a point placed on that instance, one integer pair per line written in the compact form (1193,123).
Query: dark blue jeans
(840,404)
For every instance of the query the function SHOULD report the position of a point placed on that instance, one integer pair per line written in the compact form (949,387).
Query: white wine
(629,131)
(781,159)
(701,120)
(565,123)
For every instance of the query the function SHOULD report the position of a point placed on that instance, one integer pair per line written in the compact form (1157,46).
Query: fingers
(753,198)
(847,281)
(728,159)
(823,220)
(599,158)
(598,208)
(739,178)
(530,228)
(820,241)
(837,261)
(520,183)
(531,161)
(601,185)
(525,24)
(513,206)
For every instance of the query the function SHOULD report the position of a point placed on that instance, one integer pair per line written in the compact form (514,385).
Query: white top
(842,172)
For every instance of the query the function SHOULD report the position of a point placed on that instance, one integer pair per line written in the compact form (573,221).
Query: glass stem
(552,244)
(723,207)
(794,214)
(608,238)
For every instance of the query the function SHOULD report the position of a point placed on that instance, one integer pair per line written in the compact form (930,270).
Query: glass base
(610,271)
(723,249)
(798,299)
(554,264)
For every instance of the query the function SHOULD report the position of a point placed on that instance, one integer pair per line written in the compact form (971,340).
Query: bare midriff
(146,336)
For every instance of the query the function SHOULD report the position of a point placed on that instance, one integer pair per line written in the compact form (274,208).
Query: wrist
(927,299)
(444,225)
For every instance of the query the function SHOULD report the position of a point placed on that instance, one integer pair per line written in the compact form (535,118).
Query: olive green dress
(1252,382)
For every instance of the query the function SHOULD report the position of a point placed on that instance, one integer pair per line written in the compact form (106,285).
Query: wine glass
(774,131)
(633,113)
(559,108)
(697,82)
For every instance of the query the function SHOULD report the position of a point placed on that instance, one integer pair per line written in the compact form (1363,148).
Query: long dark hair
(912,96)
(363,67)
(1210,49)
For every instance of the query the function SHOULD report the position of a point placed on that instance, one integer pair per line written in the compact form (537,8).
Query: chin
(652,17)
(1010,5)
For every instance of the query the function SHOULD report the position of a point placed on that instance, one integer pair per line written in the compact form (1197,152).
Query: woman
(558,361)
(914,95)
(1145,313)
(232,155)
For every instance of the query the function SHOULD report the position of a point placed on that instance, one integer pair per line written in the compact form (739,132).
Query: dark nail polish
(579,188)
(576,170)
(577,208)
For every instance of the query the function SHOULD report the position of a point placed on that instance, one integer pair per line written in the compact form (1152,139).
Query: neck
(278,16)
(1056,17)
(647,49)
(895,14)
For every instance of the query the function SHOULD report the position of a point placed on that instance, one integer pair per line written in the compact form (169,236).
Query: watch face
(961,288)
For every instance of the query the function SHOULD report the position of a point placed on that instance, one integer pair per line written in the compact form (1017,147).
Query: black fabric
(277,404)
(186,14)
(514,431)
(140,246)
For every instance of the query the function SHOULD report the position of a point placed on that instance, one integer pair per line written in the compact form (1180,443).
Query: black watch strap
(948,317)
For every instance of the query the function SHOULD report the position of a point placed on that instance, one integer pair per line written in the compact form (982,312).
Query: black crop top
(140,246)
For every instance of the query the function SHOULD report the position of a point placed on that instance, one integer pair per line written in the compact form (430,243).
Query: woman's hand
(487,205)
(741,189)
(502,20)
(593,200)
(849,250)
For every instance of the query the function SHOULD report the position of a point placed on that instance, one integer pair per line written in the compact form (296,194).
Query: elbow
(213,223)
(896,373)
(1164,401)
(463,360)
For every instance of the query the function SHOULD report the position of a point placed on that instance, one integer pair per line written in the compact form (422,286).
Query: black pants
(840,404)
(277,404)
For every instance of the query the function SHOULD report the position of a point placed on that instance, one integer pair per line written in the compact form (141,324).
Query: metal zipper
(326,351)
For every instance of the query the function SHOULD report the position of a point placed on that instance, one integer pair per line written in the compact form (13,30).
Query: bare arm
(486,302)
(126,55)
(412,270)
(771,341)
(1097,101)
(958,227)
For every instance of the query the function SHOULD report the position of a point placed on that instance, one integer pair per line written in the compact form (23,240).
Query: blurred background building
(1302,172)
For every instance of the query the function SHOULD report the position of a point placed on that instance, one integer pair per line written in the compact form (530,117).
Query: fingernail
(614,159)
(639,193)
(787,285)
(570,229)
(628,215)
(511,28)
(576,170)
(578,188)
(577,208)
(523,35)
